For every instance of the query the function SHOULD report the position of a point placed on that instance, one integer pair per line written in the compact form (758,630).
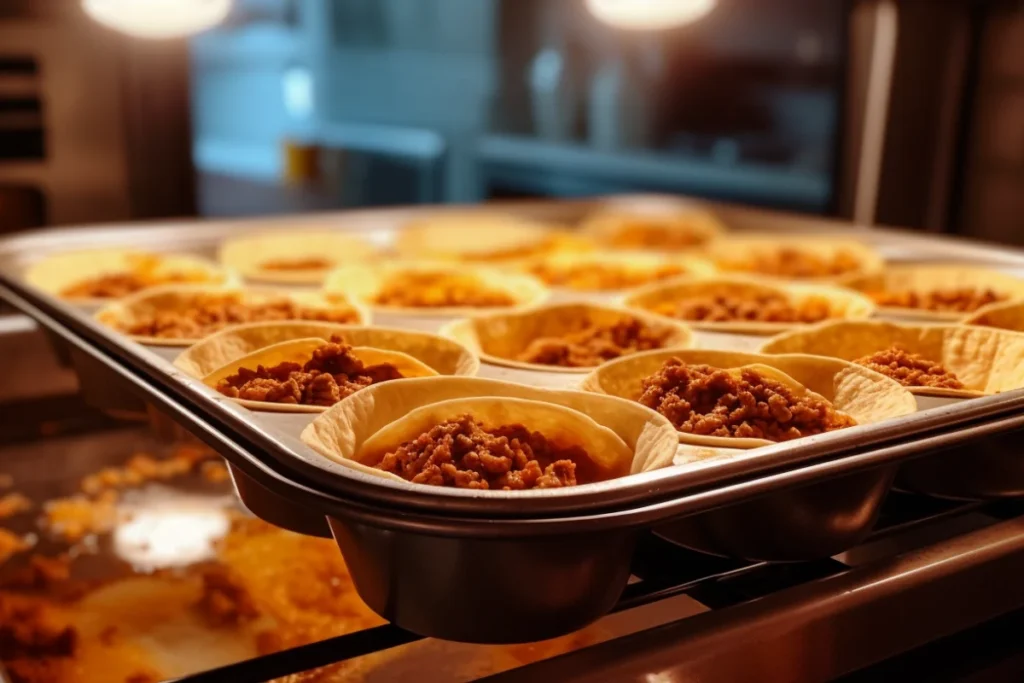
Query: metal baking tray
(527,565)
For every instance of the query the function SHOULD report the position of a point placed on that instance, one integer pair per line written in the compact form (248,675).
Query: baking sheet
(380,226)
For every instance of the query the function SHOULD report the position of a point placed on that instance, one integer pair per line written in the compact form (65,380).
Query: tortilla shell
(443,355)
(1005,315)
(609,455)
(124,313)
(499,337)
(609,225)
(481,236)
(57,272)
(247,254)
(863,394)
(986,360)
(733,249)
(300,351)
(632,261)
(932,277)
(339,433)
(362,283)
(845,303)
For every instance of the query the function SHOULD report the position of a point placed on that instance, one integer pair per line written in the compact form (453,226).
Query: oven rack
(716,583)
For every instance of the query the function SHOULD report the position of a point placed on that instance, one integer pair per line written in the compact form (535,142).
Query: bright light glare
(170,533)
(158,18)
(649,14)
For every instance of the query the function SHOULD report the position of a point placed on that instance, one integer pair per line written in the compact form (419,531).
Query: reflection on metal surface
(161,528)
(821,629)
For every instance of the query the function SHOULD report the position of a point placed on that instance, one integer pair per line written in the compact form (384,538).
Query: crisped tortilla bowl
(57,272)
(123,314)
(737,253)
(499,337)
(300,351)
(862,394)
(444,355)
(842,302)
(924,278)
(342,432)
(362,283)
(985,360)
(265,257)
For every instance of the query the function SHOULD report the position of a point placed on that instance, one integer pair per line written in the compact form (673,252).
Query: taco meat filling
(210,313)
(765,308)
(593,344)
(706,401)
(329,376)
(118,285)
(910,369)
(144,272)
(795,263)
(463,454)
(440,290)
(957,300)
(597,277)
(308,263)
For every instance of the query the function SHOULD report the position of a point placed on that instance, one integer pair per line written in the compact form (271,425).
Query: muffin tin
(522,566)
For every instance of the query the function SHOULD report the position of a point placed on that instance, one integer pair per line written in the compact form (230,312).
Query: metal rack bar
(712,580)
(822,629)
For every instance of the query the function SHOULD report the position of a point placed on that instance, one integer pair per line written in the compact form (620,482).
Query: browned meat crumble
(329,376)
(461,453)
(707,401)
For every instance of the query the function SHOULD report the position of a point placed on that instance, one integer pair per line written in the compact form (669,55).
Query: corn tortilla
(300,351)
(341,432)
(250,255)
(498,338)
(56,273)
(863,394)
(444,355)
(658,227)
(481,236)
(925,278)
(362,283)
(985,360)
(737,253)
(842,302)
(126,312)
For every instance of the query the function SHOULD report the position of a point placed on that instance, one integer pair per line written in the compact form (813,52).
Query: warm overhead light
(158,18)
(649,14)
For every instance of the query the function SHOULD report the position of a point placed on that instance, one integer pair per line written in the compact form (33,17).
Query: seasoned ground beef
(592,277)
(767,308)
(329,376)
(592,344)
(707,401)
(308,263)
(438,290)
(957,300)
(462,454)
(795,263)
(119,285)
(910,369)
(209,313)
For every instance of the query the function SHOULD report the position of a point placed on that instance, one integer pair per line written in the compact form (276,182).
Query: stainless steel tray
(413,549)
